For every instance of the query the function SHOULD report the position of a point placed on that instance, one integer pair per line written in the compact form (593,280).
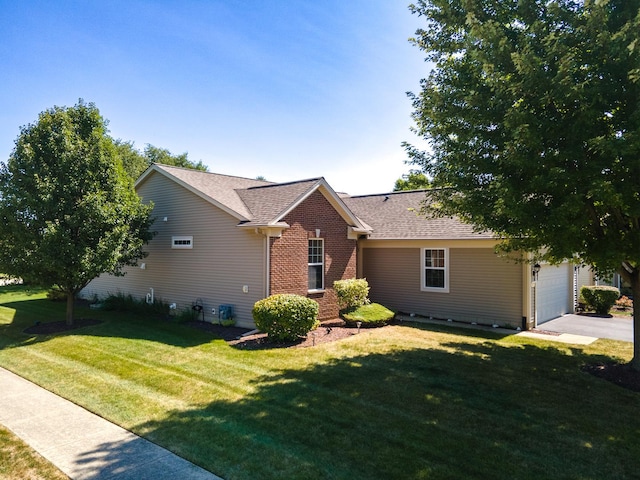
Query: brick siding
(289,268)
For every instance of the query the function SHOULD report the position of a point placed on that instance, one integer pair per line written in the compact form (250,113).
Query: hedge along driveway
(399,402)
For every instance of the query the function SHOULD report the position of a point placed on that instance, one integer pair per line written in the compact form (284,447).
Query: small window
(316,264)
(182,242)
(435,270)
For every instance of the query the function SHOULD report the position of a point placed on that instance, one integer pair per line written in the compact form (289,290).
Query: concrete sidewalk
(81,444)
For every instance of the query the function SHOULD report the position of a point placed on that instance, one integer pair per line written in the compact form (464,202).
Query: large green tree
(532,114)
(133,161)
(164,156)
(68,210)
(414,180)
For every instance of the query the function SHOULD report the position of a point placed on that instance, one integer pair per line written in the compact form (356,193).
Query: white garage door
(554,291)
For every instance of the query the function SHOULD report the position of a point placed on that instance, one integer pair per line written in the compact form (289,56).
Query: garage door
(554,291)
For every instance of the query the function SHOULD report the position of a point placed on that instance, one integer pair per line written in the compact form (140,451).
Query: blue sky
(285,89)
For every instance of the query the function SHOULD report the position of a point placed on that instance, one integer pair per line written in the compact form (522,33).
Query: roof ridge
(213,173)
(283,184)
(400,192)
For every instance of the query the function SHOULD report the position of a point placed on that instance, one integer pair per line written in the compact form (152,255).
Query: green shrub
(127,303)
(183,315)
(599,298)
(119,303)
(228,322)
(371,315)
(352,293)
(286,317)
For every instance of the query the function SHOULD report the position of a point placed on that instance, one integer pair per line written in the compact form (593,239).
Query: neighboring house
(225,240)
(615,280)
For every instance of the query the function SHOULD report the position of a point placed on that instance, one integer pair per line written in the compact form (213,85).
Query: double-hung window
(435,269)
(316,264)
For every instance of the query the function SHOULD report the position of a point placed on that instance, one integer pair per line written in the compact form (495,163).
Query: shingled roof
(269,203)
(221,190)
(253,202)
(396,216)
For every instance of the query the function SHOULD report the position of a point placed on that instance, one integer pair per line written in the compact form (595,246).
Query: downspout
(359,255)
(267,284)
(528,320)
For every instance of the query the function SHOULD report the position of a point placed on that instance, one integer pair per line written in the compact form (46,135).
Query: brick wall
(289,269)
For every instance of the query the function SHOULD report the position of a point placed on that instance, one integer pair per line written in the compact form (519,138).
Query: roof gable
(267,202)
(271,203)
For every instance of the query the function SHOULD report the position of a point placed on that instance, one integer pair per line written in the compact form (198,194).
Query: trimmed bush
(371,315)
(285,316)
(600,298)
(352,293)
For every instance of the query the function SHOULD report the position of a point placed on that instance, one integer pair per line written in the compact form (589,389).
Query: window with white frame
(182,241)
(316,264)
(435,269)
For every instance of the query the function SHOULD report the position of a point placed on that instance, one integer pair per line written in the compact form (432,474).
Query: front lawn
(431,402)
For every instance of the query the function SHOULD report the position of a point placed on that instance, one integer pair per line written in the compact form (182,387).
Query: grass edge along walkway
(80,443)
(18,460)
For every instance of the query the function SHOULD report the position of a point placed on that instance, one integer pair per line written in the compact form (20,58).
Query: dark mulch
(595,315)
(545,332)
(329,331)
(50,328)
(619,373)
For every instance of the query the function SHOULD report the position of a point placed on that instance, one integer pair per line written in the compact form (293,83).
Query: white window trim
(423,269)
(176,242)
(322,289)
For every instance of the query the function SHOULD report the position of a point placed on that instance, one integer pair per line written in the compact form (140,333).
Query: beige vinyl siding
(483,287)
(224,258)
(585,277)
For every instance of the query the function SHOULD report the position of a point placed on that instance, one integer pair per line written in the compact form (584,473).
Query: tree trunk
(71,296)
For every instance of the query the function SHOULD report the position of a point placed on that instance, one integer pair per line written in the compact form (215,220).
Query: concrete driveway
(614,328)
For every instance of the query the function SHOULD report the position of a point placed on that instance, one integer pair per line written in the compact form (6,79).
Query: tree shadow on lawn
(37,320)
(463,410)
(131,457)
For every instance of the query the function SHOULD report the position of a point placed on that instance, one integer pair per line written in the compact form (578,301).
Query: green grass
(411,402)
(628,312)
(19,461)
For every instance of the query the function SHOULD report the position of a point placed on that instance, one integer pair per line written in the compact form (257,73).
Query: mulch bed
(545,332)
(329,331)
(619,373)
(50,328)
